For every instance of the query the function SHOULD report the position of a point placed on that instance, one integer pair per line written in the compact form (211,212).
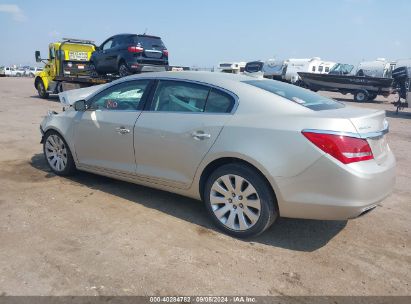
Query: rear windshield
(150,43)
(296,94)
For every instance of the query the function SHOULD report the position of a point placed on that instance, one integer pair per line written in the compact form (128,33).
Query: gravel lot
(91,235)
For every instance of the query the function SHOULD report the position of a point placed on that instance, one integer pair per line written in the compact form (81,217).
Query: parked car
(12,71)
(125,54)
(32,71)
(255,149)
(2,71)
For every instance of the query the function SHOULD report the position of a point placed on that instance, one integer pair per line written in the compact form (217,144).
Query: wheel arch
(58,131)
(218,162)
(120,60)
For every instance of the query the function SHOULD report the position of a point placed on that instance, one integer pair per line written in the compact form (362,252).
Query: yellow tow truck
(67,67)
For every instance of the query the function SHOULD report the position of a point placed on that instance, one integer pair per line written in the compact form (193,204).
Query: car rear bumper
(328,190)
(140,68)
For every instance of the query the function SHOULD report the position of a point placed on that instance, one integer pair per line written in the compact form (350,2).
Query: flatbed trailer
(76,82)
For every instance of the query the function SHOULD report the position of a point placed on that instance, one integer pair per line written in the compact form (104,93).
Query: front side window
(327,69)
(123,96)
(296,94)
(177,96)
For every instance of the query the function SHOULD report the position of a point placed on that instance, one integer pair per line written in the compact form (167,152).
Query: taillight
(165,52)
(135,49)
(344,148)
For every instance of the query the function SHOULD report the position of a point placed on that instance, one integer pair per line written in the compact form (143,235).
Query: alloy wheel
(56,152)
(123,70)
(235,202)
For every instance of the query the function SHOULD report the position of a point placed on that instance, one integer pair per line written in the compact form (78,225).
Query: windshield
(296,94)
(341,69)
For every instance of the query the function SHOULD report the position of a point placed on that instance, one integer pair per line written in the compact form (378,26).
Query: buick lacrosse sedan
(251,149)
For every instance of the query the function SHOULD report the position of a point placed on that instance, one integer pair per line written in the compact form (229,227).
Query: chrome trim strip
(350,134)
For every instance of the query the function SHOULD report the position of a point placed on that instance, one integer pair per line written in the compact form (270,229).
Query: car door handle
(200,135)
(122,130)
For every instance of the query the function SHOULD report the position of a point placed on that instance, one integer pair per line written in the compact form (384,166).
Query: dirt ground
(91,235)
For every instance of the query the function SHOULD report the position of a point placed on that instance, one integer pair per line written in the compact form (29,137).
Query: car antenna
(145,31)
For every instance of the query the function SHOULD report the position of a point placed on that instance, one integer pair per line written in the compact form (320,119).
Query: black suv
(125,54)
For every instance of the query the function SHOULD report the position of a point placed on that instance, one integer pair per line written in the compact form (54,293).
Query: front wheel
(58,154)
(240,201)
(41,90)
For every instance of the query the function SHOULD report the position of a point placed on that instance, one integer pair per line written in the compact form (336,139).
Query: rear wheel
(92,70)
(123,70)
(58,154)
(361,96)
(41,90)
(372,96)
(239,200)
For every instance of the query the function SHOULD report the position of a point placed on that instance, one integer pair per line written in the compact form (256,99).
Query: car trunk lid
(370,124)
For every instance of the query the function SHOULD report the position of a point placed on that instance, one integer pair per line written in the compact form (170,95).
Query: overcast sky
(206,32)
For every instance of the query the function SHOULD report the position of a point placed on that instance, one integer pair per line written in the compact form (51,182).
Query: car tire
(231,211)
(57,154)
(41,90)
(92,70)
(123,70)
(372,96)
(361,96)
(18,75)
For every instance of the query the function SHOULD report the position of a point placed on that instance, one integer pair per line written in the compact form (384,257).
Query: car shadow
(292,234)
(54,98)
(394,114)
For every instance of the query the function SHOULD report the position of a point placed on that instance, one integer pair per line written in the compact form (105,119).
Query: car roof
(231,82)
(139,35)
(215,78)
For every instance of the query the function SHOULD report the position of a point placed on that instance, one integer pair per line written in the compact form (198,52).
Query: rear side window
(219,102)
(320,68)
(296,94)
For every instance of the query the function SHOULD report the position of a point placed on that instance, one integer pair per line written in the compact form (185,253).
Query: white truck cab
(232,67)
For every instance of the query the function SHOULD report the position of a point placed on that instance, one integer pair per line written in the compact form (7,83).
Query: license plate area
(379,147)
(78,56)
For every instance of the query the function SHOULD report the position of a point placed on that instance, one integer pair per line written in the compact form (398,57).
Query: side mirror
(37,55)
(80,105)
